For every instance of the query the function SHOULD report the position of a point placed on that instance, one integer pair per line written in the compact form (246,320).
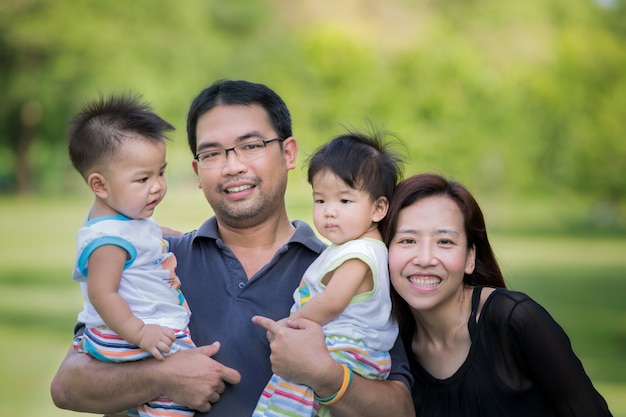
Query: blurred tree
(57,55)
(37,90)
(524,97)
(576,105)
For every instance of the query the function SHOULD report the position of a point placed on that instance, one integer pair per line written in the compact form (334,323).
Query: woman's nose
(423,255)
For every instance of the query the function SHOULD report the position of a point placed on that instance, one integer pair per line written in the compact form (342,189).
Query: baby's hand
(156,340)
(174,281)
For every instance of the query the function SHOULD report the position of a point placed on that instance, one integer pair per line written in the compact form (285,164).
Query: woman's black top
(520,363)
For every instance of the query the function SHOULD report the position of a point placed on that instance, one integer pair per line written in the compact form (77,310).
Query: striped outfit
(360,337)
(144,285)
(105,345)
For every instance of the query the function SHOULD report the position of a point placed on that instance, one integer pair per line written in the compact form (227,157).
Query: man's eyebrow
(253,134)
(245,136)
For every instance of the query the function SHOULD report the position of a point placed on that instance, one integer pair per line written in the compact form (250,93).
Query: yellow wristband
(345,384)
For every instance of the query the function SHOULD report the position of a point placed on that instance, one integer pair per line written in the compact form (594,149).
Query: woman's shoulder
(508,296)
(492,298)
(508,305)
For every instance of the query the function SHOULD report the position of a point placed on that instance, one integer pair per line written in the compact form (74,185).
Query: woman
(475,348)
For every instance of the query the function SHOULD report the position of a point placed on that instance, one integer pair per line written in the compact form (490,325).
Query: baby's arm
(106,264)
(349,279)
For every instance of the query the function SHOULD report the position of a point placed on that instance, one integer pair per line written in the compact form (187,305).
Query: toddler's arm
(349,279)
(106,264)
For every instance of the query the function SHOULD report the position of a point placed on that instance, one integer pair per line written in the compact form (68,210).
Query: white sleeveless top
(368,316)
(145,283)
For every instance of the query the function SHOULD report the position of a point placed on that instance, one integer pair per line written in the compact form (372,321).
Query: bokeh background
(524,102)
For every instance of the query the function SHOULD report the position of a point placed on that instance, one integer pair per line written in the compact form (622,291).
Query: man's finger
(211,349)
(229,375)
(266,323)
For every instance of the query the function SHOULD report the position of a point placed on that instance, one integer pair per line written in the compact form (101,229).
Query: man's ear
(381,205)
(290,152)
(194,166)
(97,184)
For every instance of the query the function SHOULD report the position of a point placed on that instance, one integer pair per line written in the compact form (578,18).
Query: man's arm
(299,354)
(368,397)
(188,377)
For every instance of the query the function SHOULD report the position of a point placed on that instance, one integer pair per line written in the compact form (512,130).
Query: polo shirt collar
(303,235)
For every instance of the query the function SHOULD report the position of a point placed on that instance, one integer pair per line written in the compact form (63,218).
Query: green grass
(580,280)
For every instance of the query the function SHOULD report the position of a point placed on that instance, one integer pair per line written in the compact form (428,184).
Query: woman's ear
(470,261)
(98,185)
(381,205)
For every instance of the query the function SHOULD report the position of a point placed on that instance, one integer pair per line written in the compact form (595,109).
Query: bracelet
(345,384)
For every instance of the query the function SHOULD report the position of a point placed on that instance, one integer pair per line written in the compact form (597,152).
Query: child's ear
(381,205)
(98,185)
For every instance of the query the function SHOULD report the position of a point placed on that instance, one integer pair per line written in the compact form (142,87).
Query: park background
(524,102)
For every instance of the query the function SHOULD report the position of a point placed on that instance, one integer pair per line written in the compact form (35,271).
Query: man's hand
(290,342)
(299,354)
(195,379)
(189,377)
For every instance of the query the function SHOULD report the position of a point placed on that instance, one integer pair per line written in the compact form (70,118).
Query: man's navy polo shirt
(223,301)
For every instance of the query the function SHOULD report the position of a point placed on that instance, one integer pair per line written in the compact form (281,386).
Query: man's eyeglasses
(216,157)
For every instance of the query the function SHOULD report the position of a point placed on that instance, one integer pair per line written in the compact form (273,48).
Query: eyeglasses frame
(232,148)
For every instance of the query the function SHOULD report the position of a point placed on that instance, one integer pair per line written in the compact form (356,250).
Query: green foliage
(522,98)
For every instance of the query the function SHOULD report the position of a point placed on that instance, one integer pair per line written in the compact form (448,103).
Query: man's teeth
(425,282)
(238,189)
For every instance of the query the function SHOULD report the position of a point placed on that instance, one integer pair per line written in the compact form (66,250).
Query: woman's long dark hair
(413,189)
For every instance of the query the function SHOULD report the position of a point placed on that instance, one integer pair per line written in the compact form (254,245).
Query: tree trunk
(31,116)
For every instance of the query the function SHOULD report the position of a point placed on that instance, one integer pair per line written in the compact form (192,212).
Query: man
(245,261)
